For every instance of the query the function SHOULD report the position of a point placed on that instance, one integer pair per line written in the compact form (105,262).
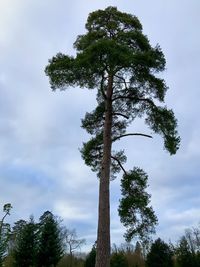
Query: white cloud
(9,12)
(189,217)
(71,212)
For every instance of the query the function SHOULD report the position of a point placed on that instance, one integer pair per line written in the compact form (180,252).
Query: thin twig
(119,164)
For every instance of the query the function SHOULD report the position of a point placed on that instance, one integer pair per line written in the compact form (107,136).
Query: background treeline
(47,243)
(185,253)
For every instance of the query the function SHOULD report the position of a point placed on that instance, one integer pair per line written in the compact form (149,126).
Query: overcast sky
(40,136)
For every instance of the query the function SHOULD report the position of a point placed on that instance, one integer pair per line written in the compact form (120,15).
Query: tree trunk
(70,261)
(103,235)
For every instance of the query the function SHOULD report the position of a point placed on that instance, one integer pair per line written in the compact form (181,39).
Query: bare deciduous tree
(72,242)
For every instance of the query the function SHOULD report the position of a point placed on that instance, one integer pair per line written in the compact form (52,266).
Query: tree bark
(103,234)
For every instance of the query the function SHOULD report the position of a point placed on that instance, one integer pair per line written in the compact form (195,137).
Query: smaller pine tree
(184,256)
(160,255)
(50,248)
(25,249)
(91,258)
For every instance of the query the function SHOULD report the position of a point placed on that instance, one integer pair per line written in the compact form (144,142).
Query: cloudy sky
(40,136)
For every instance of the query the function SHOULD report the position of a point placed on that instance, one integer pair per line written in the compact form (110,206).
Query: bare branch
(116,159)
(123,81)
(71,239)
(130,134)
(120,114)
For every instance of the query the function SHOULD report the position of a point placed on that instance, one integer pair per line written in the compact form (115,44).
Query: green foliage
(50,249)
(184,255)
(6,208)
(91,258)
(118,259)
(162,121)
(134,209)
(17,228)
(4,239)
(25,250)
(114,45)
(160,255)
(187,249)
(4,232)
(197,259)
(36,244)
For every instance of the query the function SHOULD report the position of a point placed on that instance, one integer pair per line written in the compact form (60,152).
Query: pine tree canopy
(114,46)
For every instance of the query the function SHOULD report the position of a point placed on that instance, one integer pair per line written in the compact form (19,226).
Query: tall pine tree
(116,58)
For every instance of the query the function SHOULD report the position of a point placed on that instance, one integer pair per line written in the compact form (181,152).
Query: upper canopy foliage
(115,45)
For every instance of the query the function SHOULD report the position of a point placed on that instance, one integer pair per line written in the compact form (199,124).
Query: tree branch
(120,114)
(123,81)
(135,98)
(116,159)
(130,134)
(124,97)
(146,100)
